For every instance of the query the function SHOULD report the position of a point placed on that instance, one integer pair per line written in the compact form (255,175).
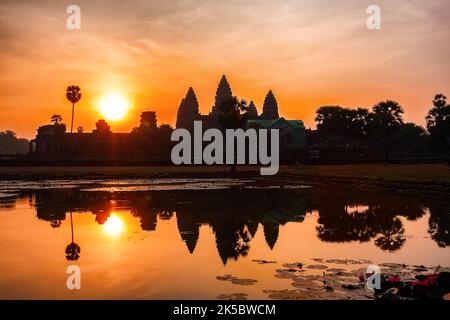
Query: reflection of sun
(113,106)
(114,225)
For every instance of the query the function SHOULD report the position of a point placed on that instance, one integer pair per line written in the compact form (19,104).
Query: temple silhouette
(150,143)
(292,132)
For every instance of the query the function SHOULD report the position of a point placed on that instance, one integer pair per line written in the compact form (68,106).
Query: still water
(172,238)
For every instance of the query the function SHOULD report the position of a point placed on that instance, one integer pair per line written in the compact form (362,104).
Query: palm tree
(56,119)
(73,94)
(73,250)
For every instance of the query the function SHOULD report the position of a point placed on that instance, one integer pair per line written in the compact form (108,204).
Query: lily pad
(317,266)
(244,282)
(232,296)
(286,273)
(294,265)
(226,277)
(263,261)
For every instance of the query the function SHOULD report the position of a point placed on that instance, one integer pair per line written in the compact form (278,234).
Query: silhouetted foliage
(10,144)
(56,119)
(232,113)
(338,125)
(73,252)
(73,94)
(438,123)
(381,131)
(410,139)
(102,127)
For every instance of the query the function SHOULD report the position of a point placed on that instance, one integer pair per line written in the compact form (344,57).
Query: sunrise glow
(114,106)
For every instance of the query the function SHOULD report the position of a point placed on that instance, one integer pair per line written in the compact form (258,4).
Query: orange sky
(310,53)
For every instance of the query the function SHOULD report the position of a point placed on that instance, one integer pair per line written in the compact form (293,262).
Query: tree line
(10,144)
(382,129)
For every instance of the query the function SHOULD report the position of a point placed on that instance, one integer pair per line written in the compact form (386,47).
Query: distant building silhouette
(145,142)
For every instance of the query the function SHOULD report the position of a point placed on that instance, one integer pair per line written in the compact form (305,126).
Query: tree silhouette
(338,125)
(392,235)
(438,123)
(56,119)
(385,120)
(102,127)
(232,115)
(410,138)
(10,144)
(73,94)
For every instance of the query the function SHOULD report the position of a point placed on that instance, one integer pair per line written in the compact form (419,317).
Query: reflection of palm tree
(73,94)
(73,250)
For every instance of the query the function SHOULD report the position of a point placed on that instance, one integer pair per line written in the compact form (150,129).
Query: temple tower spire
(223,93)
(270,107)
(188,110)
(252,113)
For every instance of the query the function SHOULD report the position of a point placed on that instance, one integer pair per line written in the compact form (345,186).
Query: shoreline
(403,179)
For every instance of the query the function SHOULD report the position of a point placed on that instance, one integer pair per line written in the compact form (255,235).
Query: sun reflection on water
(114,226)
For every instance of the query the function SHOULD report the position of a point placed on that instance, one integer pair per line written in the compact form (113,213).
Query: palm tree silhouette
(56,119)
(73,250)
(73,94)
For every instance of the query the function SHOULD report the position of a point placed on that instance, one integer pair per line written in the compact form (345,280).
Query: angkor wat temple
(292,132)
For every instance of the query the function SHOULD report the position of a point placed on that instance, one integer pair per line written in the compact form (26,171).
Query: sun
(114,106)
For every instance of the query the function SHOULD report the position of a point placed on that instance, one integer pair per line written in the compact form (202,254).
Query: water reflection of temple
(234,215)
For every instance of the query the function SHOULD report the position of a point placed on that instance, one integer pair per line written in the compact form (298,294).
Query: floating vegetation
(295,265)
(244,282)
(232,296)
(236,280)
(226,277)
(335,270)
(399,281)
(346,261)
(305,283)
(263,261)
(287,273)
(317,266)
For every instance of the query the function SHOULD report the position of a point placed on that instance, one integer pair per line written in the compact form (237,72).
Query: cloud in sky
(310,52)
